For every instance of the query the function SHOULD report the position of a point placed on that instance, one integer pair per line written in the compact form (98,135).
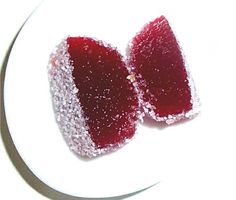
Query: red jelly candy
(164,84)
(96,105)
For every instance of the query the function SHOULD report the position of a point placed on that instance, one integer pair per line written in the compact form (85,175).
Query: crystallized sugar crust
(67,108)
(70,114)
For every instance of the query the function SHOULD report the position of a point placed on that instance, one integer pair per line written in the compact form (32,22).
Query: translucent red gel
(160,69)
(107,97)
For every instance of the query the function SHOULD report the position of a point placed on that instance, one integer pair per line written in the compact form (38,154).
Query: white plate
(147,159)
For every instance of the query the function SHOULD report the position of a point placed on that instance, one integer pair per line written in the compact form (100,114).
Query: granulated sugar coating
(164,84)
(97,96)
(96,105)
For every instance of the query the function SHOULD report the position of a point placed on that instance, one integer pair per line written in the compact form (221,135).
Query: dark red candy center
(107,97)
(156,56)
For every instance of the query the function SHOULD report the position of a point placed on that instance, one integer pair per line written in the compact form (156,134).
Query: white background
(211,170)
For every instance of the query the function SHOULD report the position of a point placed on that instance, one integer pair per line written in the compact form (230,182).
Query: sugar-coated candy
(95,103)
(165,86)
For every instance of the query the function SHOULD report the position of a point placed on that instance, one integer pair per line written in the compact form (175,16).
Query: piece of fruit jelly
(165,87)
(96,105)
